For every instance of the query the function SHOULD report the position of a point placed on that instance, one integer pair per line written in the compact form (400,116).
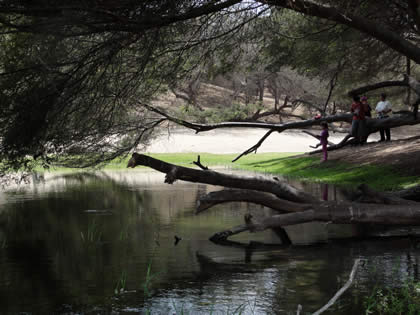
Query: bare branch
(316,136)
(331,212)
(308,104)
(273,127)
(342,290)
(198,163)
(376,86)
(337,146)
(254,147)
(261,198)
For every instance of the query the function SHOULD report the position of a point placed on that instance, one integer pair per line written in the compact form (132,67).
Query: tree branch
(376,86)
(273,127)
(198,163)
(337,146)
(331,212)
(261,198)
(317,137)
(373,125)
(254,147)
(174,172)
(342,290)
(360,23)
(108,17)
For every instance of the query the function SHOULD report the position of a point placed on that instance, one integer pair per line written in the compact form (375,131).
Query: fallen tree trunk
(381,209)
(374,125)
(174,172)
(252,196)
(343,213)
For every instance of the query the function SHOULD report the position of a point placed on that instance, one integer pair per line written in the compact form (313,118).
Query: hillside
(214,97)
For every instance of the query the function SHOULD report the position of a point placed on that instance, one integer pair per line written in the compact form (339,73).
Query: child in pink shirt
(324,140)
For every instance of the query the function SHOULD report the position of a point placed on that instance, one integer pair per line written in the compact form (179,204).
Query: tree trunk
(381,209)
(344,213)
(174,172)
(252,196)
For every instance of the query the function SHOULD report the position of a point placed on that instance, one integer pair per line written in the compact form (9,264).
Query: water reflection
(105,242)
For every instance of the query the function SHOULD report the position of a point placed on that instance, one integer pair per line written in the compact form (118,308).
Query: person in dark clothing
(358,125)
(366,106)
(368,113)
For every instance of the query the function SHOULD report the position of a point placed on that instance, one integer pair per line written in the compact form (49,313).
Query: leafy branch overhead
(74,78)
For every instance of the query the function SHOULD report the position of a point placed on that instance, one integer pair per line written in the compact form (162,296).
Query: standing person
(368,113)
(383,109)
(323,138)
(366,106)
(358,125)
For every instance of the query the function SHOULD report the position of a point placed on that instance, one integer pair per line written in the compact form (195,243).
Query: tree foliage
(73,74)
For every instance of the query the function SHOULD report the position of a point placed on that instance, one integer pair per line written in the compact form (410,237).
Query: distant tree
(341,57)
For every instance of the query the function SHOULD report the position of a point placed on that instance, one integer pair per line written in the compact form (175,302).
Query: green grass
(310,168)
(306,168)
(207,159)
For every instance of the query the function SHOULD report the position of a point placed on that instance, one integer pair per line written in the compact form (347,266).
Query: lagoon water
(103,243)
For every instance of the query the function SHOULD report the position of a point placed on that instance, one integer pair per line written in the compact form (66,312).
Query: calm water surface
(104,244)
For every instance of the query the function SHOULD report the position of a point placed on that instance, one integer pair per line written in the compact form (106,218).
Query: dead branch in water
(342,290)
(296,206)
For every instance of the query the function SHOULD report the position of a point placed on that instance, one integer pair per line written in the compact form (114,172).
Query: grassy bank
(207,159)
(302,167)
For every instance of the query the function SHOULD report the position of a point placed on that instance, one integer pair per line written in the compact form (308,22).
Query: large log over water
(296,206)
(174,172)
(339,213)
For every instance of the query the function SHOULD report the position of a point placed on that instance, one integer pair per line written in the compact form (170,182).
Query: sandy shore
(233,141)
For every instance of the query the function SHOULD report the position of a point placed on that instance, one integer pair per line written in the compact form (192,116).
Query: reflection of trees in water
(311,275)
(43,239)
(85,272)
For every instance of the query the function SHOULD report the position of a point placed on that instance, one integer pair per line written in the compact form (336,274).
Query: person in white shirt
(383,109)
